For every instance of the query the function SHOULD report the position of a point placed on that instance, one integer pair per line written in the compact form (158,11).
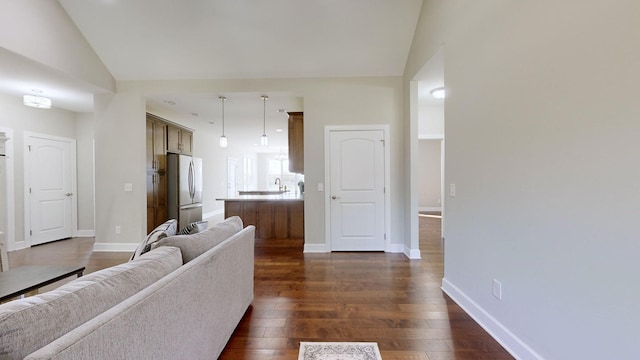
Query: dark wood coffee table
(21,280)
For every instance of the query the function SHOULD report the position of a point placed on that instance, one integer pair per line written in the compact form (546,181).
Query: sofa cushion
(30,323)
(194,245)
(168,228)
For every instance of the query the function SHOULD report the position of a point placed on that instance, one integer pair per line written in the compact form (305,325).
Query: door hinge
(29,147)
(382,141)
(385,236)
(30,232)
(29,190)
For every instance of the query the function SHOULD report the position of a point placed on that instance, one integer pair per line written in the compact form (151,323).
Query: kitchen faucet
(279,184)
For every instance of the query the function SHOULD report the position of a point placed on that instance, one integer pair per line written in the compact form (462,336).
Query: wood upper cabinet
(296,142)
(179,140)
(156,145)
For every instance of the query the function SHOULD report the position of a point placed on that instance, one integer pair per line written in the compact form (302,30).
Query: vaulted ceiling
(239,39)
(168,39)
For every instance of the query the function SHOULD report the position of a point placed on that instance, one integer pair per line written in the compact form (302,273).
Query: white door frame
(327,179)
(27,182)
(9,182)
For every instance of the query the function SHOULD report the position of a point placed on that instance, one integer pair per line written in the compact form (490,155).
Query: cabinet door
(159,146)
(296,220)
(179,140)
(150,154)
(186,141)
(151,210)
(296,142)
(173,139)
(156,199)
(161,207)
(265,218)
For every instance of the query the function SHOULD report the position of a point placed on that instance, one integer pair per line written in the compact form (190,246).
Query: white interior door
(50,167)
(232,177)
(357,190)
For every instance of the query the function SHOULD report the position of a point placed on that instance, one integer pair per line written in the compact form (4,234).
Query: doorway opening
(428,119)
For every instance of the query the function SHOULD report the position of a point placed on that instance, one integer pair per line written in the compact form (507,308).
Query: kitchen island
(278,216)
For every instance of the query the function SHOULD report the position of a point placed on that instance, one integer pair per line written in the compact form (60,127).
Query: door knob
(335,197)
(68,194)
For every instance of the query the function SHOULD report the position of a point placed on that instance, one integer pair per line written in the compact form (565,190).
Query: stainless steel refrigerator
(184,182)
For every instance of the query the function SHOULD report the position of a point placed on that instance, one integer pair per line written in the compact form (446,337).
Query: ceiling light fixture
(264,141)
(223,139)
(36,100)
(438,93)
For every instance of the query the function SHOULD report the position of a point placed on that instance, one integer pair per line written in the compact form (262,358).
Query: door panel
(357,190)
(50,176)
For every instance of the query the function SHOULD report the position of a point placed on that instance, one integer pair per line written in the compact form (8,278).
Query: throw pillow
(168,228)
(194,228)
(194,245)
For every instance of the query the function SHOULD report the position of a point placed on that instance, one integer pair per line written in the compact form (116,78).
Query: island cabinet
(272,219)
(296,142)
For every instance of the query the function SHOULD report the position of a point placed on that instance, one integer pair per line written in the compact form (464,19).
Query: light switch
(128,187)
(452,190)
(320,187)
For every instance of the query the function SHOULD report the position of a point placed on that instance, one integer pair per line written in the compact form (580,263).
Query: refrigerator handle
(191,180)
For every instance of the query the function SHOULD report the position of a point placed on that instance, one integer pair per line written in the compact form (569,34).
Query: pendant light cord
(264,115)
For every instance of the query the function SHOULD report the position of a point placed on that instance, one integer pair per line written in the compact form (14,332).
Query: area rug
(339,351)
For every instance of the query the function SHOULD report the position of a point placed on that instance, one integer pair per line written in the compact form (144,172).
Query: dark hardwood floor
(379,297)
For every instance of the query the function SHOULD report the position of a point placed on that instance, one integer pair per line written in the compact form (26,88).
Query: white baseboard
(514,345)
(315,248)
(85,233)
(115,247)
(437,208)
(413,254)
(395,248)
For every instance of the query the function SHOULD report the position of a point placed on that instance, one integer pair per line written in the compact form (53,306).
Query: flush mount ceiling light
(264,141)
(438,93)
(223,139)
(36,100)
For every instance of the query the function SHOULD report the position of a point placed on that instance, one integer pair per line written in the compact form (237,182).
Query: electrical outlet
(497,289)
(452,190)
(118,229)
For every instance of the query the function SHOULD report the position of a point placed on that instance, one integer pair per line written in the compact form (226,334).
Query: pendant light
(264,141)
(223,139)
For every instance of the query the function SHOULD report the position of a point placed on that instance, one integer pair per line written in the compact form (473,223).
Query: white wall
(55,122)
(430,167)
(85,154)
(431,119)
(43,32)
(120,148)
(542,143)
(326,102)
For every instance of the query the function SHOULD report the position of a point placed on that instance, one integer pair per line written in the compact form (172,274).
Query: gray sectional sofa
(180,300)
